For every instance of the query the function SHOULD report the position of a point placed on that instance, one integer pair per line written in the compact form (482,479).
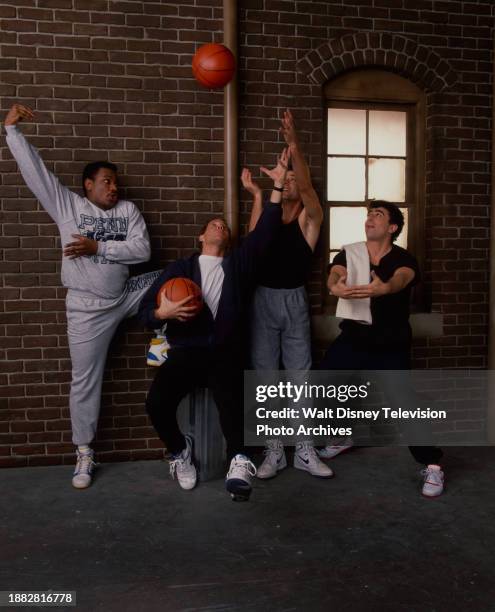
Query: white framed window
(373,150)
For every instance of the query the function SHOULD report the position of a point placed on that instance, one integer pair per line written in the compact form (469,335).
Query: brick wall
(111,79)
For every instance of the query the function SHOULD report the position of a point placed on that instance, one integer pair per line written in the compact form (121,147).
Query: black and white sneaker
(238,479)
(274,460)
(182,467)
(306,458)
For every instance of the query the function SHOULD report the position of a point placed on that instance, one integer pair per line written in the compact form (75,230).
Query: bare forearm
(301,168)
(398,282)
(305,186)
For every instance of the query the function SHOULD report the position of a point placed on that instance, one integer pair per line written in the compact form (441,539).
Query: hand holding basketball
(175,310)
(178,298)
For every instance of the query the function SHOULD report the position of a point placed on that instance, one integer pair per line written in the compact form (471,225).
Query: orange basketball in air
(177,289)
(213,65)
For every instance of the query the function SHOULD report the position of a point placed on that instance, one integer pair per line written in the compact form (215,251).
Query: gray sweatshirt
(120,231)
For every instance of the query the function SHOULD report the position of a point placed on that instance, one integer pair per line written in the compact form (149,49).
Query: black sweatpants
(217,369)
(346,354)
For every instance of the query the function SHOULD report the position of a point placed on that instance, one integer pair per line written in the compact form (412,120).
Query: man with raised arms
(280,323)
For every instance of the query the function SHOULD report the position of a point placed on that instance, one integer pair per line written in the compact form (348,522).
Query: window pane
(387,133)
(346,131)
(347,226)
(387,179)
(346,179)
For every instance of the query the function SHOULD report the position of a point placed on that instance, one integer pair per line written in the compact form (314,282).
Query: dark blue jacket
(240,267)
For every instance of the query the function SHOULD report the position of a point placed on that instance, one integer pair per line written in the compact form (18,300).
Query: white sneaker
(306,458)
(183,467)
(433,484)
(274,460)
(332,450)
(238,479)
(158,351)
(83,474)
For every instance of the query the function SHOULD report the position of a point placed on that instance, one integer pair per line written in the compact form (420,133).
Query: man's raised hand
(288,129)
(248,183)
(278,173)
(17,113)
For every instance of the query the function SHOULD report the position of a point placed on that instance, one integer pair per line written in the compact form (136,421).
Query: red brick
(167,134)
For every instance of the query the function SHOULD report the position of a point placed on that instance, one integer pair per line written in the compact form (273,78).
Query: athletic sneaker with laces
(158,351)
(433,483)
(83,473)
(238,479)
(332,450)
(306,458)
(274,460)
(182,467)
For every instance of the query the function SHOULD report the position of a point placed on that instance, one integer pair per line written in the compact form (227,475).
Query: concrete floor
(365,540)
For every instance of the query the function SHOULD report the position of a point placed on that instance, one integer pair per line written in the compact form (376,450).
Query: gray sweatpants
(91,324)
(280,329)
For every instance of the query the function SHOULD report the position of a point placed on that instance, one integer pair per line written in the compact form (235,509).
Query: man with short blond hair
(207,349)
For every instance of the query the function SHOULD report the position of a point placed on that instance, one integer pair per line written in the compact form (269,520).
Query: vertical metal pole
(231,122)
(490,416)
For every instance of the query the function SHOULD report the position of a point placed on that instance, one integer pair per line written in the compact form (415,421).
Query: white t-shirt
(211,280)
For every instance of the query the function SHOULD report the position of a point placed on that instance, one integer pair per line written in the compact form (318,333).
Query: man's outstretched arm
(45,185)
(256,243)
(312,206)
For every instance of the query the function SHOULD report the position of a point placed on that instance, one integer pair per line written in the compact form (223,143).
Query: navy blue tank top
(288,261)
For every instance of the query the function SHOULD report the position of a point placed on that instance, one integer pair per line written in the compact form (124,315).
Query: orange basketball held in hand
(176,289)
(213,65)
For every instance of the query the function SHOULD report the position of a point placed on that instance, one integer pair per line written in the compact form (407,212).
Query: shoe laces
(310,449)
(183,461)
(245,464)
(177,465)
(84,463)
(273,448)
(434,475)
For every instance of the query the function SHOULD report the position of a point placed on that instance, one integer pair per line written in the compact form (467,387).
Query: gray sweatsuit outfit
(100,294)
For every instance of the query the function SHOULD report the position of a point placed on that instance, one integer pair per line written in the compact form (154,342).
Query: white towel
(358,273)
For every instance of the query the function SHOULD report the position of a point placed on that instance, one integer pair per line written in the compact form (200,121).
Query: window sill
(325,327)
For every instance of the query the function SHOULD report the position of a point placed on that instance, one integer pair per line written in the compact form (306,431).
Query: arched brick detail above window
(396,53)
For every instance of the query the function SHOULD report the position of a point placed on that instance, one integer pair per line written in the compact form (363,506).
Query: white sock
(83,449)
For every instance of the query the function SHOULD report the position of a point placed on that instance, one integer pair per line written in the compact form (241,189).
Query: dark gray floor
(365,540)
